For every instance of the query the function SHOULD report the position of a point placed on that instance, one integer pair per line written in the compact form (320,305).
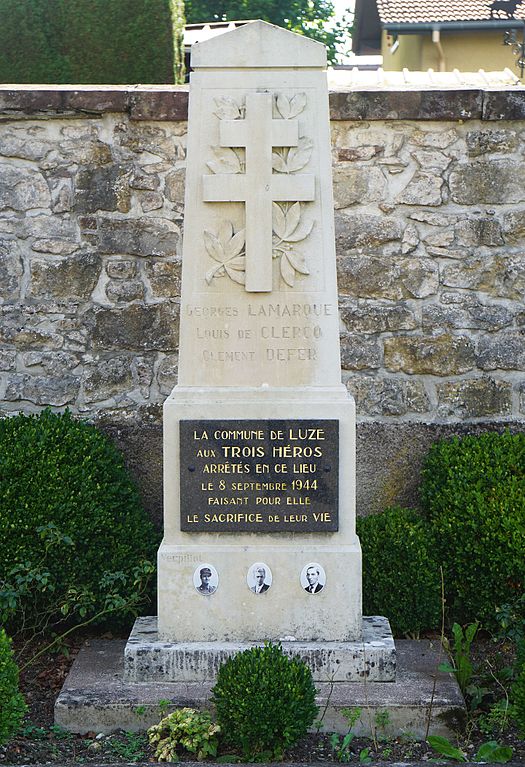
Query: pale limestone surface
(259,331)
(281,327)
(372,658)
(233,612)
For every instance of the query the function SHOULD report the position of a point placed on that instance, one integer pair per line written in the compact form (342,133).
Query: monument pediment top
(259,45)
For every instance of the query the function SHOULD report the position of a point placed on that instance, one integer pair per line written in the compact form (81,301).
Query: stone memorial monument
(259,434)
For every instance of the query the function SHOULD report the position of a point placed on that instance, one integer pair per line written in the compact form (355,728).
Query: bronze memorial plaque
(259,476)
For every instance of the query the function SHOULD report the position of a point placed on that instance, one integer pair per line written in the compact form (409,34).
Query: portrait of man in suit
(313,574)
(259,575)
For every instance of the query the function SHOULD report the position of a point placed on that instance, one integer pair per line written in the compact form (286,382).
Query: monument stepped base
(148,659)
(96,698)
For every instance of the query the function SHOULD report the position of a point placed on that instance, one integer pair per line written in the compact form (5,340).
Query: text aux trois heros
(259,476)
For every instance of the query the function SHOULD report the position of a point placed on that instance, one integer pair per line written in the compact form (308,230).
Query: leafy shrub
(265,701)
(511,620)
(474,497)
(86,41)
(401,577)
(193,730)
(12,705)
(518,691)
(69,515)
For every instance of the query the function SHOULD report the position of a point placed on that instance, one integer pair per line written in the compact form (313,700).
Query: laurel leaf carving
(301,232)
(299,155)
(238,263)
(287,271)
(236,244)
(213,246)
(236,276)
(227,108)
(297,104)
(278,163)
(297,261)
(283,105)
(292,219)
(226,161)
(278,220)
(227,247)
(225,232)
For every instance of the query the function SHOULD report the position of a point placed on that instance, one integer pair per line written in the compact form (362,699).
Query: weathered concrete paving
(96,698)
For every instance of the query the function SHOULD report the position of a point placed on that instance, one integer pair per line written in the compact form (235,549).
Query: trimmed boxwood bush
(474,497)
(57,470)
(265,701)
(401,576)
(86,41)
(12,705)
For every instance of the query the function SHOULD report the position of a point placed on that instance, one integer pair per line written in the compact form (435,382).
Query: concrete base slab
(96,698)
(147,659)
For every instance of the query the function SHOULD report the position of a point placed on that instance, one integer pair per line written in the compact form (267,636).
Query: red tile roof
(425,11)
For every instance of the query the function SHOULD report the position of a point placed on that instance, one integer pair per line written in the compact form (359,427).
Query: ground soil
(41,742)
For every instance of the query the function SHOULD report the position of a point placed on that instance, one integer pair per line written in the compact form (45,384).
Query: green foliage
(496,720)
(73,530)
(164,705)
(178,21)
(341,745)
(459,652)
(474,497)
(34,732)
(518,692)
(511,619)
(307,17)
(401,576)
(86,41)
(491,752)
(193,730)
(265,701)
(124,594)
(131,746)
(12,705)
(444,747)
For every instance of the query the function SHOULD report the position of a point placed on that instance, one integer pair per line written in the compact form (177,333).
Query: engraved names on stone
(259,476)
(265,333)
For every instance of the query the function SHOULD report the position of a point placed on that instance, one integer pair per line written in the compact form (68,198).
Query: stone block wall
(430,224)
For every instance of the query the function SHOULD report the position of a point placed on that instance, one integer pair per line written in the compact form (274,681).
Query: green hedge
(58,470)
(12,705)
(401,576)
(265,701)
(474,497)
(86,41)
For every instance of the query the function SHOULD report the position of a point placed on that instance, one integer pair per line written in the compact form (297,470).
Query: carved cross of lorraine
(258,187)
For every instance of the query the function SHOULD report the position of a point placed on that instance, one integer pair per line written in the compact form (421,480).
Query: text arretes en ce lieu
(293,436)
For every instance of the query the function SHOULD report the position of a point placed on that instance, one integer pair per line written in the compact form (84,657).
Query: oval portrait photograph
(206,579)
(313,578)
(259,578)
